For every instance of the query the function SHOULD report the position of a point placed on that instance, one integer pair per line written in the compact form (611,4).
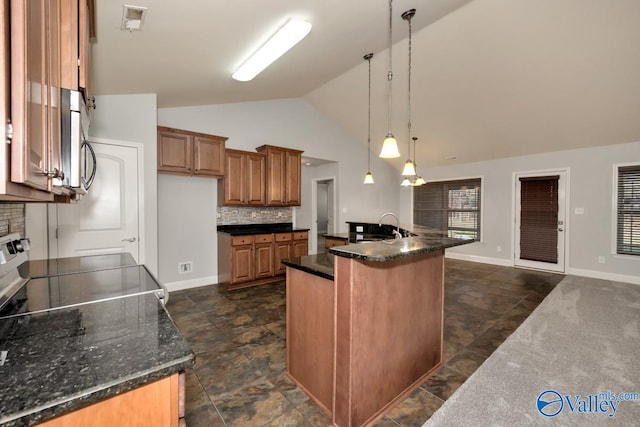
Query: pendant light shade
(406,182)
(409,168)
(368,178)
(419,181)
(390,145)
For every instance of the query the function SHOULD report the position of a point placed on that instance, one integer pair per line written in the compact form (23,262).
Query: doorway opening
(323,212)
(540,220)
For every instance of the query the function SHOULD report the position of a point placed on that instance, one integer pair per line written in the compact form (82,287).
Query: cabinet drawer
(300,235)
(263,238)
(283,237)
(241,240)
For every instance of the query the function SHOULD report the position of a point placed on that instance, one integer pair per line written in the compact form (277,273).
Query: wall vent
(133,17)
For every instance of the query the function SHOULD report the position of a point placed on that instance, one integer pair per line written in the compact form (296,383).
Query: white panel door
(105,220)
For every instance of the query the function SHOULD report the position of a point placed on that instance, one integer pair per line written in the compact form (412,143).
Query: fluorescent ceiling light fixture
(286,37)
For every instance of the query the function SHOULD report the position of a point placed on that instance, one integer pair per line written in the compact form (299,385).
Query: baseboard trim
(477,258)
(635,280)
(192,283)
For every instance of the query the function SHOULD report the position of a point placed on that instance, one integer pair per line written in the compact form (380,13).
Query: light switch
(579,211)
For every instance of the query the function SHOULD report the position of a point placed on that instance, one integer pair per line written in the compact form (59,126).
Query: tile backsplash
(11,218)
(253,215)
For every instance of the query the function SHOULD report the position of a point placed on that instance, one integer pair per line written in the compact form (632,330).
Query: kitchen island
(365,323)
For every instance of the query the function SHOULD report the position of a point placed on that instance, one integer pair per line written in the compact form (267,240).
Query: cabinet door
(293,165)
(53,91)
(234,178)
(241,263)
(174,152)
(29,93)
(276,185)
(86,32)
(300,248)
(208,156)
(255,178)
(283,251)
(263,260)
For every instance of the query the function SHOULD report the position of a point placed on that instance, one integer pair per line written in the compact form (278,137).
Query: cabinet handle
(55,173)
(130,239)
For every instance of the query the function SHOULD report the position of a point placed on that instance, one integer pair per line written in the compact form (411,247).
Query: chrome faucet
(396,232)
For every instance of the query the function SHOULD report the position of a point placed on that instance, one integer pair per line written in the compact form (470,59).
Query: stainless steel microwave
(77,156)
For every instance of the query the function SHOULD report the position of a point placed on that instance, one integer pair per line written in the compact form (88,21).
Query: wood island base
(361,343)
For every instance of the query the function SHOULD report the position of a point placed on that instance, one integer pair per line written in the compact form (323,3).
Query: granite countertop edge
(354,250)
(248,229)
(296,263)
(96,394)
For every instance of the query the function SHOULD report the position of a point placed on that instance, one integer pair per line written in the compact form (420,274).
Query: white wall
(133,118)
(590,187)
(186,214)
(289,123)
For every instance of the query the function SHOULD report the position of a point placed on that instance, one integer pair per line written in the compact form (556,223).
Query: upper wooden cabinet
(244,179)
(77,32)
(40,55)
(190,153)
(283,175)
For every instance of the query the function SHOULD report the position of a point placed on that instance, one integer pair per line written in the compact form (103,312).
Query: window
(453,206)
(628,211)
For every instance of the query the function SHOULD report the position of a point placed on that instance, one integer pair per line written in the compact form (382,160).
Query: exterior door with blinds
(540,221)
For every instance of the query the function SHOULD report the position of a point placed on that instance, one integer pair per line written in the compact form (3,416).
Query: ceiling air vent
(133,17)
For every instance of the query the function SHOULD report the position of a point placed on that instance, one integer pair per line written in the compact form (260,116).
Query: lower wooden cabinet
(300,244)
(250,260)
(158,404)
(330,242)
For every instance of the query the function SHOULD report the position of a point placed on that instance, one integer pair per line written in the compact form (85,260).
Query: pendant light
(368,178)
(390,145)
(419,180)
(409,169)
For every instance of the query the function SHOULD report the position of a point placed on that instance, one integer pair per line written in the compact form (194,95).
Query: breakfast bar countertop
(423,240)
(62,360)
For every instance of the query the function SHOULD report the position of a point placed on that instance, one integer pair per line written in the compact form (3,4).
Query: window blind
(450,206)
(539,218)
(628,224)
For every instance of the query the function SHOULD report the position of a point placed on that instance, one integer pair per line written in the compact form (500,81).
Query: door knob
(130,239)
(560,229)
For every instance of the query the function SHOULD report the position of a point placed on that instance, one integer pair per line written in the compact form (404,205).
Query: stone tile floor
(239,340)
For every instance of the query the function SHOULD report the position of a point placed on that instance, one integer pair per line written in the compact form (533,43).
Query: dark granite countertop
(244,229)
(320,264)
(372,247)
(62,360)
(423,241)
(54,267)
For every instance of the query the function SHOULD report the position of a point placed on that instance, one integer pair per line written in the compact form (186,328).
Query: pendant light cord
(409,87)
(368,58)
(390,72)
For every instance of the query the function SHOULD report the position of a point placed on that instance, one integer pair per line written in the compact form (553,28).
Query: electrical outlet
(185,267)
(601,259)
(279,214)
(499,248)
(253,215)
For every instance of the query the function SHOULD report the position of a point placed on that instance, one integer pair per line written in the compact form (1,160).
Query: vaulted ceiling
(490,78)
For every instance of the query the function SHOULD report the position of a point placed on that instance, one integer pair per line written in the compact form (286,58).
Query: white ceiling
(491,78)
(188,49)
